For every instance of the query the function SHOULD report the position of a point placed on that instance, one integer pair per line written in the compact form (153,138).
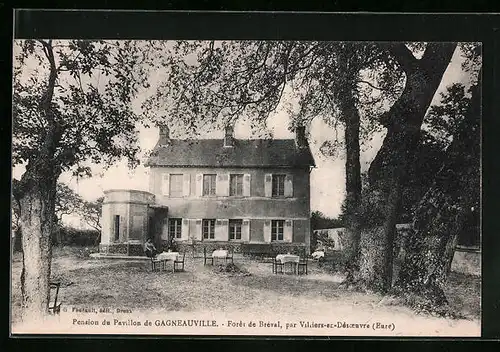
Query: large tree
(449,204)
(71,106)
(387,173)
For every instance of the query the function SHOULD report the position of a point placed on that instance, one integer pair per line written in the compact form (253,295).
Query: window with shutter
(236,185)
(209,184)
(277,230)
(235,227)
(175,228)
(176,185)
(278,185)
(208,227)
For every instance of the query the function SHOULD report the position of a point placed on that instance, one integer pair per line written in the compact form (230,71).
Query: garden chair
(277,264)
(179,263)
(157,264)
(230,255)
(206,257)
(55,308)
(302,265)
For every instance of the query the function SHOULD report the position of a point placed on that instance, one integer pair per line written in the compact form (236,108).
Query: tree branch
(371,85)
(402,54)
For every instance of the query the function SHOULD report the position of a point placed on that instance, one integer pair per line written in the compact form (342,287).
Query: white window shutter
(288,231)
(246,185)
(199,185)
(288,186)
(186,185)
(185,229)
(268,185)
(225,230)
(218,236)
(245,230)
(221,230)
(222,185)
(198,235)
(267,231)
(165,184)
(219,185)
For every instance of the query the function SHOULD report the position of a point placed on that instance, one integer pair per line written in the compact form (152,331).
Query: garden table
(164,257)
(220,254)
(289,258)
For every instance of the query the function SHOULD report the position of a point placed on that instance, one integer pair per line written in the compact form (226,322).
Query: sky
(327,179)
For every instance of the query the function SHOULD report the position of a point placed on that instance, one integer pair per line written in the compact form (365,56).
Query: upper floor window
(175,228)
(278,185)
(235,229)
(176,185)
(209,184)
(236,185)
(277,230)
(208,228)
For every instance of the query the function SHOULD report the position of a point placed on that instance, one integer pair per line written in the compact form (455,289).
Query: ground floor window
(277,230)
(208,228)
(117,227)
(235,229)
(175,228)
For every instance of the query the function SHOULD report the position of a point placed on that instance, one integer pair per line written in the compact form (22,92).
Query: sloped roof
(244,153)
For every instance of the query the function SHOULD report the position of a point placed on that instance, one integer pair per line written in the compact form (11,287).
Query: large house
(215,192)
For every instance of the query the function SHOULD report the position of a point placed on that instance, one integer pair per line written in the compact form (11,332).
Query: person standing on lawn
(149,248)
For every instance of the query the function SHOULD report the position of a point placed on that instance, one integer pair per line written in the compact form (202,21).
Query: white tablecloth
(168,256)
(287,258)
(318,254)
(220,253)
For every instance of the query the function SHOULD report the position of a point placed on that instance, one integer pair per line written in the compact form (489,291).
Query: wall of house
(257,208)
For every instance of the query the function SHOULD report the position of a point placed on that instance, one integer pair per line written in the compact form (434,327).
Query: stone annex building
(211,192)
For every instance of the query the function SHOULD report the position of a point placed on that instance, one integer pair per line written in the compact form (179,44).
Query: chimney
(228,136)
(300,137)
(164,135)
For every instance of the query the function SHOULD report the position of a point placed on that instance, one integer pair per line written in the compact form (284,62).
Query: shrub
(69,236)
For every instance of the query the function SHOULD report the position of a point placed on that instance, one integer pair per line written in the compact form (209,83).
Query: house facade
(216,192)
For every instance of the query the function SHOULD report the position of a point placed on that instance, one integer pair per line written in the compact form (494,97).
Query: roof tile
(245,153)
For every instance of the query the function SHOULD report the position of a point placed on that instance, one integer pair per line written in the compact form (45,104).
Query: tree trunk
(37,222)
(37,203)
(353,182)
(442,214)
(387,171)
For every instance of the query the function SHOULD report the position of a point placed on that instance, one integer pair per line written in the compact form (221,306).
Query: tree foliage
(321,221)
(90,102)
(216,83)
(90,211)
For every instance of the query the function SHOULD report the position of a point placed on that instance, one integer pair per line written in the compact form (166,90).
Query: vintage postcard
(246,187)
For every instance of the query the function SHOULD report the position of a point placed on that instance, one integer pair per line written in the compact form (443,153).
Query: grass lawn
(131,284)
